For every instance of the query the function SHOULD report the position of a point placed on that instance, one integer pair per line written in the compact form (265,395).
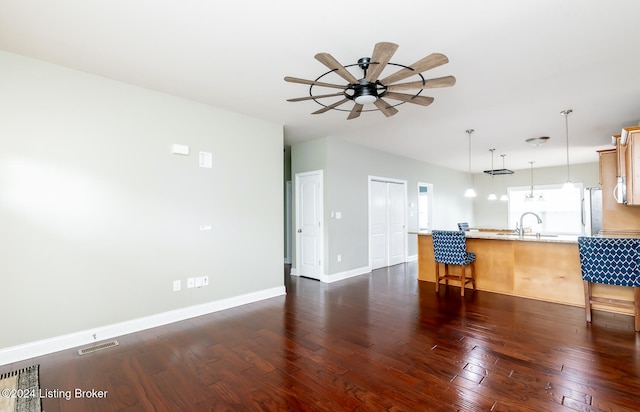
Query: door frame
(370,179)
(429,187)
(298,208)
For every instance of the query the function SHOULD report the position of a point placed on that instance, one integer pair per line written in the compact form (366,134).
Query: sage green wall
(347,167)
(494,214)
(98,217)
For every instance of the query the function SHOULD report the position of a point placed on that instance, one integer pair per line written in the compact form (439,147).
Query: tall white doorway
(309,224)
(387,222)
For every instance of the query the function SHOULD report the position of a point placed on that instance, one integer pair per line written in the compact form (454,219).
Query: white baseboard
(46,346)
(345,275)
(338,276)
(412,258)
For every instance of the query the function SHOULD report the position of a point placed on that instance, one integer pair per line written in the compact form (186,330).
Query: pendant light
(530,197)
(492,195)
(504,196)
(566,113)
(470,192)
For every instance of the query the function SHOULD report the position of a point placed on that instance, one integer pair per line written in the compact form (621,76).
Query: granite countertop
(529,237)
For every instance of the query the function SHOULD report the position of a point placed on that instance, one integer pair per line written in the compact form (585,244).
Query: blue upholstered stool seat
(450,248)
(611,261)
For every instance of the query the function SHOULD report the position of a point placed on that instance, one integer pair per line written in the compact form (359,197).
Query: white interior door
(387,208)
(397,229)
(378,243)
(309,228)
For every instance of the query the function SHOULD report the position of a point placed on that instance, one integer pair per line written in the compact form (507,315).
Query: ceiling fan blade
(426,63)
(320,96)
(355,112)
(312,83)
(333,64)
(332,106)
(385,108)
(382,53)
(409,98)
(446,81)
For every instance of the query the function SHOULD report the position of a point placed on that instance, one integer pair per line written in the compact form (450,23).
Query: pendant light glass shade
(566,113)
(470,192)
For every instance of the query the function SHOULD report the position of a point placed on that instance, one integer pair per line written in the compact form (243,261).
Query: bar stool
(610,261)
(450,248)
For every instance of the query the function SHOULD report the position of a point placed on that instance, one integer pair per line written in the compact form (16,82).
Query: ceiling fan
(369,89)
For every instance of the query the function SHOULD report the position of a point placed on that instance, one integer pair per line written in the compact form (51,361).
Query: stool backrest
(449,246)
(613,261)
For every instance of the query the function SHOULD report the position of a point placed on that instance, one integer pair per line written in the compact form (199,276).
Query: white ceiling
(517,65)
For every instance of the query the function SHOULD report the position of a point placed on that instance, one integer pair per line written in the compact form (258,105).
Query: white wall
(98,217)
(347,167)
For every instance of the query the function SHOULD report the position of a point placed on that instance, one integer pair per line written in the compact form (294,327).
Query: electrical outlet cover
(191,282)
(205,281)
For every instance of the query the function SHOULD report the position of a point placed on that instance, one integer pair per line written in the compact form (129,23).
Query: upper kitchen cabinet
(618,219)
(628,166)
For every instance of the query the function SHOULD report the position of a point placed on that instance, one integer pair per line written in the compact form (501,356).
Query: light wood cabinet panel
(617,219)
(494,264)
(426,260)
(548,271)
(631,165)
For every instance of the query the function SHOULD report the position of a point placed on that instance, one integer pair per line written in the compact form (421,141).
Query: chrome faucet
(520,230)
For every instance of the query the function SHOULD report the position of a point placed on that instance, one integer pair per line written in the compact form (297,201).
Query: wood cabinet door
(617,218)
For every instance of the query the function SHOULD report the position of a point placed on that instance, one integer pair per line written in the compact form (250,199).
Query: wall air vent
(98,347)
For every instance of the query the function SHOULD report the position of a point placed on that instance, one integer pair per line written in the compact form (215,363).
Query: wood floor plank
(377,342)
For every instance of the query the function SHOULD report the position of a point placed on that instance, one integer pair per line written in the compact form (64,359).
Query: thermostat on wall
(206,159)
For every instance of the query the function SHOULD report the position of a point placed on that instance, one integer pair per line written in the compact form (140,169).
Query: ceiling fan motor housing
(365,92)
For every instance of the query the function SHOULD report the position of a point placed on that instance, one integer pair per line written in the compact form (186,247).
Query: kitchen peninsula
(545,268)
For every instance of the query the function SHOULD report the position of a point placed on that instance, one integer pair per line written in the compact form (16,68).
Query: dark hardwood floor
(376,342)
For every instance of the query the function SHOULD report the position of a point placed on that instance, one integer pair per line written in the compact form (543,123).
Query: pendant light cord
(566,113)
(469,131)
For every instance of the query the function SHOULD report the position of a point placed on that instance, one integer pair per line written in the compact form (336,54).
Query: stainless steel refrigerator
(592,211)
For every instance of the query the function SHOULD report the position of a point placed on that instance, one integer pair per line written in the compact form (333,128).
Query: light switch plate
(180,149)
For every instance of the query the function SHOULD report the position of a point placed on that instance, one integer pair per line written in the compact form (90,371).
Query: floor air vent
(98,347)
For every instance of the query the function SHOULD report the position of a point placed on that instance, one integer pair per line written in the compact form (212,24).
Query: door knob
(299,230)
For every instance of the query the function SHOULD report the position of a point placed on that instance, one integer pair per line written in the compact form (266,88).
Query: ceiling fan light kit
(369,89)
